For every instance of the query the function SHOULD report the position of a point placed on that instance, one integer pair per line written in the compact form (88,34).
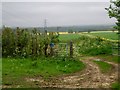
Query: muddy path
(90,77)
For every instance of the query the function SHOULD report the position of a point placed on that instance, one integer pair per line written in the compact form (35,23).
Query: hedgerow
(25,43)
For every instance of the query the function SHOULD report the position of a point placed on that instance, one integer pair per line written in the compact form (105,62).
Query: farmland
(41,71)
(68,37)
(107,35)
(102,34)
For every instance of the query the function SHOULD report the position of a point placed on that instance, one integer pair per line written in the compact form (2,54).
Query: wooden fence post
(51,51)
(45,49)
(71,49)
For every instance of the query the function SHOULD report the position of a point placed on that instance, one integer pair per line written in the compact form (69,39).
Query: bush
(24,43)
(94,46)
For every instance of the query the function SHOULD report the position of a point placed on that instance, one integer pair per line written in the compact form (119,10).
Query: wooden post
(71,49)
(45,49)
(51,51)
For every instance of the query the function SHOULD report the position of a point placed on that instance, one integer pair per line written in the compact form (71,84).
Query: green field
(107,35)
(68,37)
(74,37)
(18,69)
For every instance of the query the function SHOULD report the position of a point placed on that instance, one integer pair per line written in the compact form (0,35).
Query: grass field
(74,37)
(107,35)
(16,69)
(68,37)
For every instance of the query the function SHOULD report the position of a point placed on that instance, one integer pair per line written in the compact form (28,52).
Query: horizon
(60,26)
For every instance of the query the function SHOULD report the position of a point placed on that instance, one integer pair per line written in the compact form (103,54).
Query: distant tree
(89,31)
(114,11)
(70,31)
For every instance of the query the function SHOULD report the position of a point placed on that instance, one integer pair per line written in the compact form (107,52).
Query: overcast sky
(55,0)
(28,14)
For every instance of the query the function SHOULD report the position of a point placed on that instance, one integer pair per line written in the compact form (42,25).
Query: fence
(66,49)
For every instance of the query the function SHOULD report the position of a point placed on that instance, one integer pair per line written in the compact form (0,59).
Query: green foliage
(94,46)
(8,42)
(93,43)
(116,86)
(24,43)
(54,37)
(114,11)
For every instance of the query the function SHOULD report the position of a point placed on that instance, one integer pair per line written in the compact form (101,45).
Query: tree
(114,11)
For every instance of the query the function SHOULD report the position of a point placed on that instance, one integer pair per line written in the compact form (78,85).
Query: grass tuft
(104,67)
(116,85)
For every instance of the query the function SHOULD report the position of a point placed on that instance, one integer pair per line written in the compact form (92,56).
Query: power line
(45,26)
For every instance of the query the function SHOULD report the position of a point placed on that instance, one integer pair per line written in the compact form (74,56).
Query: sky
(33,14)
(55,0)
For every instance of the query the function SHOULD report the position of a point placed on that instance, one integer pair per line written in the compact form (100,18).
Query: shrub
(24,43)
(94,46)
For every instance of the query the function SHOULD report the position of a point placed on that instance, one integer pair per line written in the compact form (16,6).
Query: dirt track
(91,77)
